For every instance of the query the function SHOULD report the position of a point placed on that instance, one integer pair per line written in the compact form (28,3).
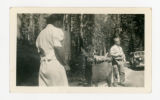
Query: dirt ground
(134,78)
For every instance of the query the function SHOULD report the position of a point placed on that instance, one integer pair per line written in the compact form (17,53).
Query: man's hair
(115,38)
(55,17)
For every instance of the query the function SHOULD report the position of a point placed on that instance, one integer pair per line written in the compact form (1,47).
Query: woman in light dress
(49,43)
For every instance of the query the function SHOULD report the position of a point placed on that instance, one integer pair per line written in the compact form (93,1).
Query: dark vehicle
(137,59)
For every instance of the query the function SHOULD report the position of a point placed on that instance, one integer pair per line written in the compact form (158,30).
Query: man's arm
(84,52)
(124,57)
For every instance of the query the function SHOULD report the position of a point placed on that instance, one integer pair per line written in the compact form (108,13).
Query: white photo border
(35,89)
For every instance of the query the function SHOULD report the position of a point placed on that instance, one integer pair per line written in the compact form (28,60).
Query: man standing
(88,62)
(118,56)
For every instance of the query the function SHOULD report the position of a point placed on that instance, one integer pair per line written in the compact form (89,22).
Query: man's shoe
(115,84)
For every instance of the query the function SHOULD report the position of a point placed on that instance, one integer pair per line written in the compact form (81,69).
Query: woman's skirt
(52,73)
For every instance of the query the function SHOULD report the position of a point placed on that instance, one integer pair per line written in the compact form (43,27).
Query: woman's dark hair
(54,17)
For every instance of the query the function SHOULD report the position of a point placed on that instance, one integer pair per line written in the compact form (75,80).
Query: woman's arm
(60,54)
(59,50)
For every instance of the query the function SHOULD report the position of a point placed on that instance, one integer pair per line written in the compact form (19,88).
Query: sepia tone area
(96,32)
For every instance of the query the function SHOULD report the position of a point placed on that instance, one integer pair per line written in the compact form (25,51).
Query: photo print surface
(81,50)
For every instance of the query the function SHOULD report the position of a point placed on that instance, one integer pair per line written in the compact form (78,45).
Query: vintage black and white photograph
(81,49)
